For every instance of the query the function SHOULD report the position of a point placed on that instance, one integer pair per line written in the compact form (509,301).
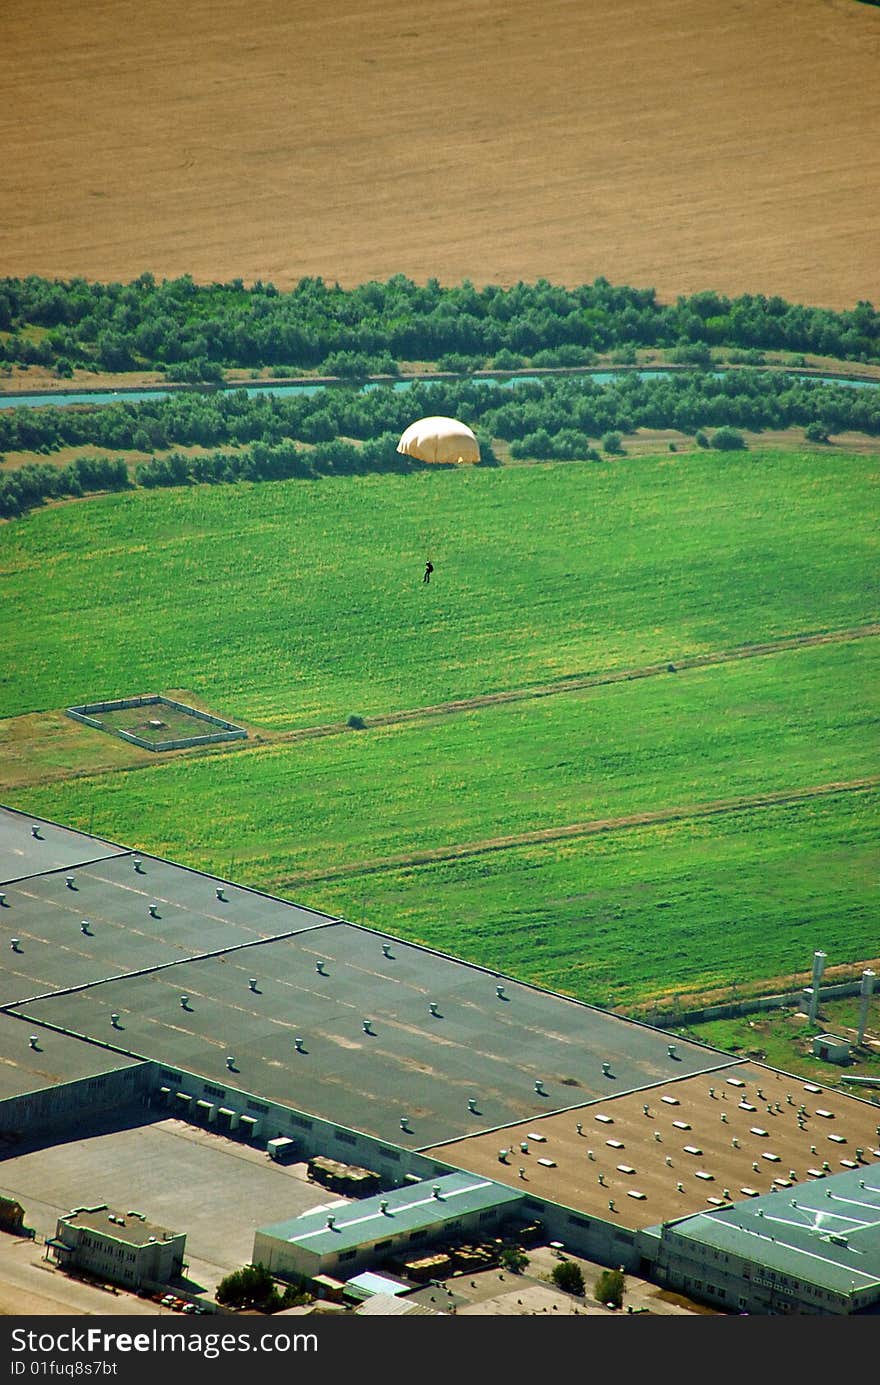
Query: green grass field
(291,604)
(286,604)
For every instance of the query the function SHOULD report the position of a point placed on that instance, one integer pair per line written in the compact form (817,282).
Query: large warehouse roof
(826,1234)
(702,1141)
(114,957)
(25,851)
(54,1060)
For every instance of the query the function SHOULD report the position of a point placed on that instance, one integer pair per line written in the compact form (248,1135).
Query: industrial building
(122,1247)
(349,1236)
(132,981)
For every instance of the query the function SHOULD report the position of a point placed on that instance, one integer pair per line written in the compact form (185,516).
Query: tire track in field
(591,828)
(578,683)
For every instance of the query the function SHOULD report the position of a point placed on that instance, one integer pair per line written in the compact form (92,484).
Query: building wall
(119,1261)
(729,1281)
(72,1105)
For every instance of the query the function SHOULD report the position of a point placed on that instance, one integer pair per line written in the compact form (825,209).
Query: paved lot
(181,1178)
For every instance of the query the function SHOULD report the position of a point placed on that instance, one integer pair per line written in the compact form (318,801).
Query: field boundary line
(590,828)
(580,682)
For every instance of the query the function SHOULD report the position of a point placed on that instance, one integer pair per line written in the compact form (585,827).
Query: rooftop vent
(539,1087)
(368,1026)
(606,1069)
(230,1062)
(331,1222)
(404,1122)
(154,911)
(221,895)
(3,904)
(435,1191)
(671,1050)
(386,950)
(138,865)
(472,1103)
(499,991)
(433,1007)
(114,1020)
(580,1127)
(71,882)
(15,944)
(319,968)
(86,928)
(252,982)
(383,1205)
(35,831)
(502,1155)
(32,1041)
(299,1046)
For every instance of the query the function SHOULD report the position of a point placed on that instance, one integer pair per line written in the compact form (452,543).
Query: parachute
(440,439)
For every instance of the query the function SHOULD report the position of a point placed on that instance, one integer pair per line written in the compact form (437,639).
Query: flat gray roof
(22,853)
(824,1233)
(138,919)
(408,1209)
(128,1228)
(57,1059)
(413,1063)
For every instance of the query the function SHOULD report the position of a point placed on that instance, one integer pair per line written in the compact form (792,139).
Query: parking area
(182,1178)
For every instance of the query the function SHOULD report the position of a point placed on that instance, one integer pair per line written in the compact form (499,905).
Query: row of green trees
(577,407)
(32,485)
(196,331)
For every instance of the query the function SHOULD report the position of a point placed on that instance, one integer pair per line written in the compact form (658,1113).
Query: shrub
(514,1259)
(817,432)
(728,440)
(250,1287)
(701,438)
(609,1288)
(612,442)
(568,1277)
(356,723)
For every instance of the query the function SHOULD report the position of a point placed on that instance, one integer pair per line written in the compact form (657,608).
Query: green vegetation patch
(701,901)
(293,603)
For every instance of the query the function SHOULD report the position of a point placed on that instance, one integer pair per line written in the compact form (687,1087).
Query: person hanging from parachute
(443,440)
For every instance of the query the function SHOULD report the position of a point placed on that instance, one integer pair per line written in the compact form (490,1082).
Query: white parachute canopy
(440,439)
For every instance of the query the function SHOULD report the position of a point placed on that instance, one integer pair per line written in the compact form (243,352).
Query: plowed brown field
(681,145)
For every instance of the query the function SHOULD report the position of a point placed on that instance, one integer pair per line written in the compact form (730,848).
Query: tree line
(195,332)
(686,400)
(268,436)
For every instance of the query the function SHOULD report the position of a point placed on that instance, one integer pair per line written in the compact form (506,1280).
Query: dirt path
(592,680)
(712,808)
(25,734)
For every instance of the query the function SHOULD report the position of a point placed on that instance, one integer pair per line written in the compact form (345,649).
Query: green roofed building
(340,1239)
(814,1248)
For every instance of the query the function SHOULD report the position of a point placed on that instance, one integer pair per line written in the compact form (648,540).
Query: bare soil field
(680,146)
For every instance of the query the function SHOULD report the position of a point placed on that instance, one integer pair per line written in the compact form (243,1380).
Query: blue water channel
(61,398)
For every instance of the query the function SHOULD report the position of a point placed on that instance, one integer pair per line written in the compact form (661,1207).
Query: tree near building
(568,1277)
(609,1288)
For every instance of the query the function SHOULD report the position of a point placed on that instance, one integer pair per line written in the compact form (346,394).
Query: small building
(126,1249)
(831,1048)
(12,1217)
(400,1223)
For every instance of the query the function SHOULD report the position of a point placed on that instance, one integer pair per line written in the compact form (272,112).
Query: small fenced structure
(96,714)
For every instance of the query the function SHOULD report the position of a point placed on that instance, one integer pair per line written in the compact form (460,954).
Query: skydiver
(429,568)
